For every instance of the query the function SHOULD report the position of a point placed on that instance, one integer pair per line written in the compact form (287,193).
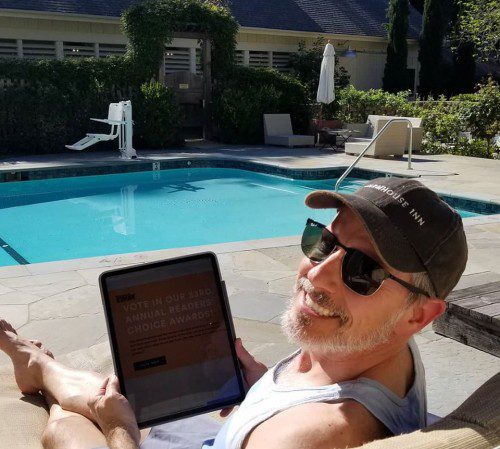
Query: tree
(479,23)
(396,69)
(434,28)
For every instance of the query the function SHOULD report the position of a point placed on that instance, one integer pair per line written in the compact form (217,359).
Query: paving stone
(266,342)
(473,268)
(453,372)
(91,275)
(64,335)
(255,260)
(52,289)
(265,275)
(473,280)
(17,315)
(4,289)
(257,306)
(73,303)
(236,283)
(288,255)
(283,286)
(13,271)
(42,279)
(16,297)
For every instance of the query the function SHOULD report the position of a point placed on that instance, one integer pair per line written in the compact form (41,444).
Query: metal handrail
(392,120)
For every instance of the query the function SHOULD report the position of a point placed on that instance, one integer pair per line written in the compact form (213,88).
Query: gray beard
(295,326)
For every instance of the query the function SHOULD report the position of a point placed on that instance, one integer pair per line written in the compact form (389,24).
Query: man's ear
(420,314)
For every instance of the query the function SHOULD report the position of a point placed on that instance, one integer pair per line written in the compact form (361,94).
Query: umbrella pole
(320,121)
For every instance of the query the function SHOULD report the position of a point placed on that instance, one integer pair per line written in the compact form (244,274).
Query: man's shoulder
(318,425)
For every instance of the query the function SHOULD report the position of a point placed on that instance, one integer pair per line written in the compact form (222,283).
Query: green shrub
(442,124)
(476,147)
(247,94)
(158,117)
(354,106)
(49,104)
(481,111)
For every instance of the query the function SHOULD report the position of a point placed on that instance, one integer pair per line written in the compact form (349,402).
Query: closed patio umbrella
(326,92)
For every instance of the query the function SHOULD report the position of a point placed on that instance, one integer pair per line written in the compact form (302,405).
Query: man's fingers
(113,385)
(104,385)
(225,412)
(245,357)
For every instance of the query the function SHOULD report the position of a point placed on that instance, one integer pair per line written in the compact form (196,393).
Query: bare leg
(35,370)
(68,430)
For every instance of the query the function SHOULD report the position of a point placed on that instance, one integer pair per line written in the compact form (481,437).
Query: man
(369,281)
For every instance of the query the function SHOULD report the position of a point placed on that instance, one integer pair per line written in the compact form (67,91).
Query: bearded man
(369,281)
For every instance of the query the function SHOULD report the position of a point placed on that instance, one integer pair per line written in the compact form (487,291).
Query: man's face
(326,315)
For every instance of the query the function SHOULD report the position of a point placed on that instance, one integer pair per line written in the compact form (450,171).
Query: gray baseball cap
(412,229)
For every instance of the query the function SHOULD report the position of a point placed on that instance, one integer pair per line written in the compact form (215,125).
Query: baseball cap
(412,229)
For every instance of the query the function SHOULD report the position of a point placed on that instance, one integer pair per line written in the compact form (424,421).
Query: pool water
(68,218)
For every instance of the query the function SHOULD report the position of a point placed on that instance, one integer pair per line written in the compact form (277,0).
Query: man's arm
(115,417)
(318,426)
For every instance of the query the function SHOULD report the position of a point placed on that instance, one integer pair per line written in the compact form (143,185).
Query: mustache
(322,298)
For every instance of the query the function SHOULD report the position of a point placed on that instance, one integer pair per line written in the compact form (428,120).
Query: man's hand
(252,370)
(114,415)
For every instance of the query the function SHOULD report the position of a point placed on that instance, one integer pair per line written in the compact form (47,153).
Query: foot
(27,358)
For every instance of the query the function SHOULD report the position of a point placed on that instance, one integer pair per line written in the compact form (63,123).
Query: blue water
(68,218)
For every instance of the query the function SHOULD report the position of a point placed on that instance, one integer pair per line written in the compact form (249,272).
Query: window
(78,50)
(39,49)
(176,59)
(239,57)
(106,50)
(8,48)
(281,60)
(259,58)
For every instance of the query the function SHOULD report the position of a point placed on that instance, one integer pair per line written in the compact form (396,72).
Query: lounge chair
(392,142)
(473,425)
(278,131)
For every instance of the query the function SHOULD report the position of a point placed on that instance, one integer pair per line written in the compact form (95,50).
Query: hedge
(49,104)
(248,93)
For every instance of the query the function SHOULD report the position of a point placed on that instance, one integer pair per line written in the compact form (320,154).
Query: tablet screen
(172,338)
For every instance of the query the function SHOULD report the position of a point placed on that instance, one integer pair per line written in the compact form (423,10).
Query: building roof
(352,17)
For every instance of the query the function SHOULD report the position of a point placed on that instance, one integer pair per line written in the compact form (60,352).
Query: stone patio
(59,302)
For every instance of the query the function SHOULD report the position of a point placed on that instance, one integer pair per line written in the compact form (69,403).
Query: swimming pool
(76,217)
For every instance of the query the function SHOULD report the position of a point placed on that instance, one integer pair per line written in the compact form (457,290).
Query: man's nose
(328,272)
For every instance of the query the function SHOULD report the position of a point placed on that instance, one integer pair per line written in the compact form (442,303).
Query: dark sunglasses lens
(317,243)
(361,273)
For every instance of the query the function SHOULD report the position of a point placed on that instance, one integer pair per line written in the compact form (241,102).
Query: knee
(55,433)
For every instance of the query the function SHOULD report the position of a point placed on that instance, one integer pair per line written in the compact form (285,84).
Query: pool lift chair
(120,119)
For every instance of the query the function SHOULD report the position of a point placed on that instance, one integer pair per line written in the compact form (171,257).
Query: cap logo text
(401,200)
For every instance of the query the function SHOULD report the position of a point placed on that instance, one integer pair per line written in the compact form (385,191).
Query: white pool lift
(120,119)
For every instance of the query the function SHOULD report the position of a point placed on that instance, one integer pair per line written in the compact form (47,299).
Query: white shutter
(8,48)
(39,49)
(259,58)
(280,61)
(106,50)
(239,57)
(176,59)
(78,50)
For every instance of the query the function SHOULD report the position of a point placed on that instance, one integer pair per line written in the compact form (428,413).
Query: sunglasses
(360,272)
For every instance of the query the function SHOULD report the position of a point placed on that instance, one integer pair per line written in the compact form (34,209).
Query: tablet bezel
(226,312)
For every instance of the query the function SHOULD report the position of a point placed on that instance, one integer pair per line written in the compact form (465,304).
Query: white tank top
(267,398)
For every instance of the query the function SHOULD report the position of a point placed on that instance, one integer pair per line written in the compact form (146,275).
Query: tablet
(172,338)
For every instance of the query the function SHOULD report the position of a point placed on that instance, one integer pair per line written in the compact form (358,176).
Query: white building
(269,31)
